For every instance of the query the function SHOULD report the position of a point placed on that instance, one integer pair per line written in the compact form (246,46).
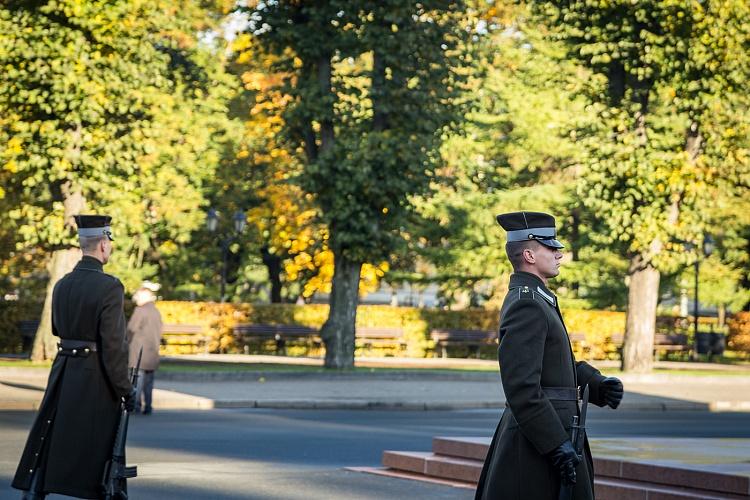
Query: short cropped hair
(515,250)
(89,244)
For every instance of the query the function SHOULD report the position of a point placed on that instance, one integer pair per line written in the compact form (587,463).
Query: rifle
(577,437)
(116,473)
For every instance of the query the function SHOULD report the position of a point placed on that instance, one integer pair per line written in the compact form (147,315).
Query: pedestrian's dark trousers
(145,389)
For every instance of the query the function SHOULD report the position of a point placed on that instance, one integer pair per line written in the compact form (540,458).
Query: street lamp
(212,224)
(707,249)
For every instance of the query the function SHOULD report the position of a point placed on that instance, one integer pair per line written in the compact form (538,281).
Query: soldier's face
(548,261)
(106,250)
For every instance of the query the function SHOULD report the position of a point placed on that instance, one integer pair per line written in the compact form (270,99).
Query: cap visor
(551,243)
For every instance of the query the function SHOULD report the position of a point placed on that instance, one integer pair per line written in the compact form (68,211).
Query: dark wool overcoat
(535,353)
(73,434)
(144,331)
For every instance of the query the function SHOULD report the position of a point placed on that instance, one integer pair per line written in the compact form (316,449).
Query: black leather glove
(129,401)
(611,391)
(565,459)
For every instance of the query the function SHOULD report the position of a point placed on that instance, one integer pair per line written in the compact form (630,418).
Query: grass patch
(24,363)
(213,366)
(235,367)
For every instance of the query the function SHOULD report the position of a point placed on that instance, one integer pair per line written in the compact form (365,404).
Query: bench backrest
(272,330)
(174,328)
(659,338)
(442,334)
(375,332)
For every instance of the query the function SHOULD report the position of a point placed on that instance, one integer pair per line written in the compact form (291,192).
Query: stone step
(429,464)
(461,459)
(617,489)
(472,448)
(476,448)
(657,474)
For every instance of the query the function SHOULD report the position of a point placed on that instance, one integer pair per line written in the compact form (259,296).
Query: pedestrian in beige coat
(144,331)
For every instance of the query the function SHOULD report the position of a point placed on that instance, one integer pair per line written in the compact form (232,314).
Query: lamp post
(212,223)
(706,249)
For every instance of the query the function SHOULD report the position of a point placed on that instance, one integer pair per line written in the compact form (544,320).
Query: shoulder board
(525,292)
(112,277)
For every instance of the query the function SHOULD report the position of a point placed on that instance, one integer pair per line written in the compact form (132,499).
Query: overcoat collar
(88,263)
(535,283)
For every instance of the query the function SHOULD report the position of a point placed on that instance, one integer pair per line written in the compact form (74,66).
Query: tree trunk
(45,344)
(273,263)
(338,330)
(722,313)
(62,262)
(643,294)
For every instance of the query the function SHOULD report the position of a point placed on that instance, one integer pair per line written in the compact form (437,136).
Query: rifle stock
(577,437)
(116,473)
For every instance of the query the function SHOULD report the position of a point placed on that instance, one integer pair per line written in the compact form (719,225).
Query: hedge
(219,320)
(738,338)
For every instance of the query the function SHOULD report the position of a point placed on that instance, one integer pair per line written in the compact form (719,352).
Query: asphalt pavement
(302,454)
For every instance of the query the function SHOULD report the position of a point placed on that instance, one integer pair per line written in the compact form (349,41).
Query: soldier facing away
(531,455)
(73,434)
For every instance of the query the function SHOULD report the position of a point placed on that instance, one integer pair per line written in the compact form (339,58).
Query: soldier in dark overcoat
(531,454)
(73,434)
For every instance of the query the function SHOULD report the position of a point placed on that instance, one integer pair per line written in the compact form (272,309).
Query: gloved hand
(129,401)
(611,391)
(565,459)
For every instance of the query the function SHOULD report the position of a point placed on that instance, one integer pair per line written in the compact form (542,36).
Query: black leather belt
(75,347)
(561,393)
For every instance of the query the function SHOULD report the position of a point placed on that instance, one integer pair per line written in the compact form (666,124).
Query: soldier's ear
(528,255)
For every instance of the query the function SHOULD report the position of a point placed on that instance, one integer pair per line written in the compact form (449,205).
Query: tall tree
(109,106)
(370,136)
(667,91)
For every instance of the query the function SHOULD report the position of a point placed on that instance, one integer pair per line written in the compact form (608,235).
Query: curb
(271,375)
(305,404)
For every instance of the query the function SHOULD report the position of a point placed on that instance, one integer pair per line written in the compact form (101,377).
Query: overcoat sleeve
(114,345)
(524,331)
(587,374)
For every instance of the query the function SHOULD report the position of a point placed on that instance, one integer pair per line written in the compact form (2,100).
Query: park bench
(473,339)
(27,329)
(282,334)
(663,343)
(578,339)
(186,339)
(279,334)
(376,336)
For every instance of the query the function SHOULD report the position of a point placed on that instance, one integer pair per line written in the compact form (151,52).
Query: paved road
(296,454)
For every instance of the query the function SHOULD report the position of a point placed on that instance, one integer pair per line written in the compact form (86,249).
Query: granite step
(461,459)
(618,489)
(430,464)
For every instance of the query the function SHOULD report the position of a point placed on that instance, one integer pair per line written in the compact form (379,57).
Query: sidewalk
(398,388)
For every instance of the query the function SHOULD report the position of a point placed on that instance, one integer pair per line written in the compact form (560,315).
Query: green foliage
(669,89)
(373,86)
(117,102)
